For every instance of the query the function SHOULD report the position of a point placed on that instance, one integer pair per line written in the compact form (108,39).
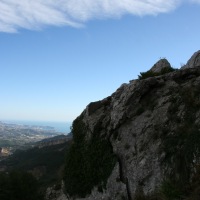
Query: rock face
(194,61)
(153,127)
(160,65)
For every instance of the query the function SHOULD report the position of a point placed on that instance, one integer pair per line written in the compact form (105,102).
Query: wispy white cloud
(34,14)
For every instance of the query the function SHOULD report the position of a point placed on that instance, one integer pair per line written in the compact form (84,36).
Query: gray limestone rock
(194,61)
(160,65)
(138,120)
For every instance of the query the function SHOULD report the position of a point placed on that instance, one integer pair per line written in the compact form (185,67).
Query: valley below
(18,136)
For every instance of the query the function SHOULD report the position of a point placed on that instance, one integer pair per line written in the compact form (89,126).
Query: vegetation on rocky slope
(45,164)
(149,73)
(88,162)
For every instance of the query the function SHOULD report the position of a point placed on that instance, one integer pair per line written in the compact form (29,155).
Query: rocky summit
(194,61)
(142,142)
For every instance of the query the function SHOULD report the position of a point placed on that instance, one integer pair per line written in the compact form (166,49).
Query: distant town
(19,136)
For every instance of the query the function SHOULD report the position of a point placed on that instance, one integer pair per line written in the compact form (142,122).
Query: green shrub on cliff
(149,73)
(88,163)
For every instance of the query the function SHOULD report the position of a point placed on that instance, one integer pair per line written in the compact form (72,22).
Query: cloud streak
(35,14)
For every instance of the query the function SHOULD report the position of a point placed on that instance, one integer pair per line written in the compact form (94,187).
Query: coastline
(63,127)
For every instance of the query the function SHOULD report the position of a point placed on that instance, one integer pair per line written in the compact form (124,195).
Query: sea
(62,127)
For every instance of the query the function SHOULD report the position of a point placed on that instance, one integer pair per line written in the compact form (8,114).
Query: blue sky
(58,56)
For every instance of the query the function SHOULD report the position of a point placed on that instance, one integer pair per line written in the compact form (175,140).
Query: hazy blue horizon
(56,61)
(60,126)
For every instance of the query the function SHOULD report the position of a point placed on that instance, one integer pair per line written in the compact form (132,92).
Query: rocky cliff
(148,134)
